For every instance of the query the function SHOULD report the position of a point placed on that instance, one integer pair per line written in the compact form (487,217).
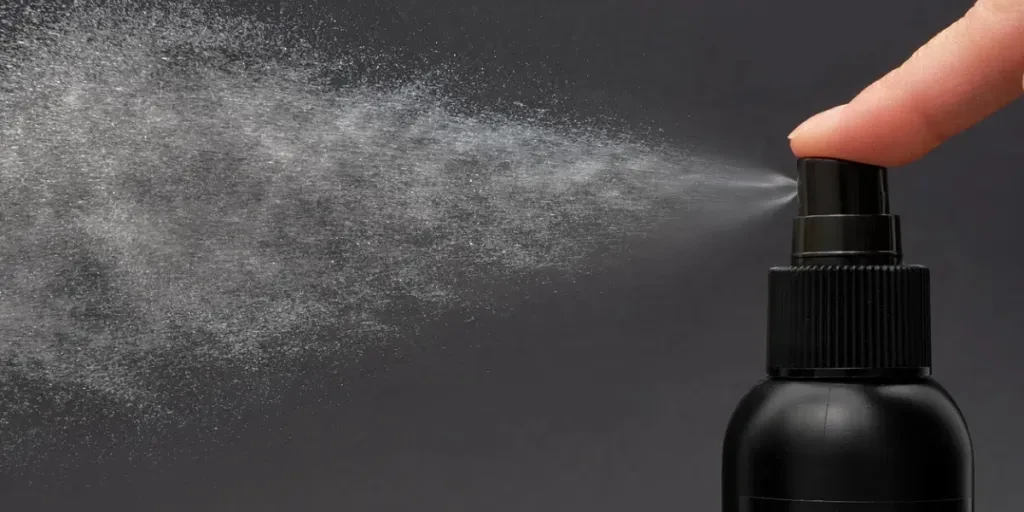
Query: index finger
(964,74)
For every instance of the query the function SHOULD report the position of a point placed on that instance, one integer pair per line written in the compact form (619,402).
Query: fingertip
(816,124)
(862,132)
(828,134)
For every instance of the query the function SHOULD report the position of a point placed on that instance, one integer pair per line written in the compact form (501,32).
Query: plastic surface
(849,320)
(828,186)
(847,445)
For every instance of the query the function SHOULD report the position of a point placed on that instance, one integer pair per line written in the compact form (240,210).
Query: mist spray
(849,419)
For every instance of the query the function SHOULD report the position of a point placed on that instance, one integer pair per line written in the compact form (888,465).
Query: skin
(967,72)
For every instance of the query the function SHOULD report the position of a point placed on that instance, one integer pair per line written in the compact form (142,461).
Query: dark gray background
(613,393)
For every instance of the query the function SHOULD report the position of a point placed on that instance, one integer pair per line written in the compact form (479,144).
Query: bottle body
(847,445)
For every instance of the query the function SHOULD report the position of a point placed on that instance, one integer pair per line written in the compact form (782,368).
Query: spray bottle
(849,419)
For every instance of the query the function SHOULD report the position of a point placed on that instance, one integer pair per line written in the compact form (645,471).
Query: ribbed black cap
(847,306)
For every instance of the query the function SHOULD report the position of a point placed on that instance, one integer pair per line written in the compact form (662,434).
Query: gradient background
(612,392)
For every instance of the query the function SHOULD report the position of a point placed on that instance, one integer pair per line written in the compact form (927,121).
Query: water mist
(184,196)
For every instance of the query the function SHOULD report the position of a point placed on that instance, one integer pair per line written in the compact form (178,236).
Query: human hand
(968,71)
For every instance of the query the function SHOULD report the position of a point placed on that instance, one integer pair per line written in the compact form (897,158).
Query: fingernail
(819,119)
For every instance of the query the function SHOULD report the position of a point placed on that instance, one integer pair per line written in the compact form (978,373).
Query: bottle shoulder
(858,416)
(847,440)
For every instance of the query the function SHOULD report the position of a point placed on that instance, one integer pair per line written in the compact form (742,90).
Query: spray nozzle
(847,307)
(844,215)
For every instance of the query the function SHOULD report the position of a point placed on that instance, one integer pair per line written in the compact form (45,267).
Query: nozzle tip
(829,186)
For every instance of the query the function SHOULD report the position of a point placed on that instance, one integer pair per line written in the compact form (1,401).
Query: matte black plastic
(848,320)
(847,445)
(849,419)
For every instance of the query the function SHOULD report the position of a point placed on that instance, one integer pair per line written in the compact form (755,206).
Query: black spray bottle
(849,419)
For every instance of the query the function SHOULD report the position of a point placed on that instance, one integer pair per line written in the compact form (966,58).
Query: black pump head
(844,215)
(847,307)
